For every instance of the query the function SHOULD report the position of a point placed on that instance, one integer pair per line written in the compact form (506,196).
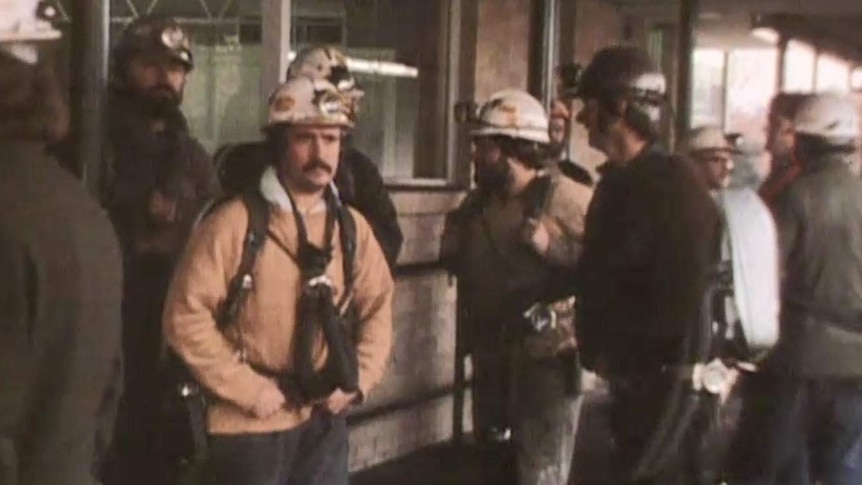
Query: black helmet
(624,71)
(155,35)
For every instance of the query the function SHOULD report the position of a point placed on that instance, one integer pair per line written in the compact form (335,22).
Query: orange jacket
(267,321)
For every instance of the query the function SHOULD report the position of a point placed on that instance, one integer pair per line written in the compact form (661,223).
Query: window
(799,67)
(751,84)
(708,95)
(833,74)
(221,101)
(396,49)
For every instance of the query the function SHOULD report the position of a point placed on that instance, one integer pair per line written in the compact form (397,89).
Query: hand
(163,209)
(338,401)
(536,235)
(268,402)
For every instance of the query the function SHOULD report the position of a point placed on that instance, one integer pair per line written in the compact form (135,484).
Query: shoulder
(568,193)
(226,219)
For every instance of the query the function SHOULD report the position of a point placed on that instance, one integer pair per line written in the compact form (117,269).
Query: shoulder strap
(537,195)
(241,283)
(347,234)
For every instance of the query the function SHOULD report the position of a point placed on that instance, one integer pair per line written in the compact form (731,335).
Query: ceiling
(833,25)
(819,7)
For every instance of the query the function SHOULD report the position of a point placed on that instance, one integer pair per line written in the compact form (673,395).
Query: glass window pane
(751,84)
(833,74)
(394,49)
(222,101)
(799,67)
(708,95)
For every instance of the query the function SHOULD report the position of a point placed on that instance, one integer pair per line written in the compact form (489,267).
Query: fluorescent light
(382,68)
(766,34)
(379,68)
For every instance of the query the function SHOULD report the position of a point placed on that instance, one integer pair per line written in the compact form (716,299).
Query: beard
(493,178)
(160,102)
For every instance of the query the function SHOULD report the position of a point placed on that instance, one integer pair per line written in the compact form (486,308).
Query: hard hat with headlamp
(306,101)
(22,24)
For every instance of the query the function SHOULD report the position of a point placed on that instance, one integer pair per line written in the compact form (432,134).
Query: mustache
(317,164)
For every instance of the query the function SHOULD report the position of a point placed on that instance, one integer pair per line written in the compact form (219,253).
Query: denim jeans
(810,432)
(315,453)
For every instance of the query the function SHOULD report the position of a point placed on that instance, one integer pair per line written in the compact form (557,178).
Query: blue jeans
(810,431)
(315,453)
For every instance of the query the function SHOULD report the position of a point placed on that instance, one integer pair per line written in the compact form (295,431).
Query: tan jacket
(266,325)
(486,248)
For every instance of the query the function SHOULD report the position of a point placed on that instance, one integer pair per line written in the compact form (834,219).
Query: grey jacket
(819,221)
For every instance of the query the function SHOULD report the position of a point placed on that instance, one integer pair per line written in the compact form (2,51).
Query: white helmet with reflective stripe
(23,21)
(306,101)
(830,116)
(513,113)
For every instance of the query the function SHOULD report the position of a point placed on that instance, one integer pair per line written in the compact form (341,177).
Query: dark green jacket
(819,221)
(59,322)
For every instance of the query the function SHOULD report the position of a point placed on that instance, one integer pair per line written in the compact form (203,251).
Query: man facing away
(283,374)
(60,295)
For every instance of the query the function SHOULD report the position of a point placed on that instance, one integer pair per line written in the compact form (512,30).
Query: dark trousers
(315,453)
(811,432)
(136,455)
(492,394)
(636,407)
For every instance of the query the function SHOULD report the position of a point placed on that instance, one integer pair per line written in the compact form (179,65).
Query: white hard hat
(325,62)
(22,21)
(513,113)
(306,101)
(830,115)
(705,138)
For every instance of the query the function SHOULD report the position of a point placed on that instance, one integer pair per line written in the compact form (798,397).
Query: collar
(275,193)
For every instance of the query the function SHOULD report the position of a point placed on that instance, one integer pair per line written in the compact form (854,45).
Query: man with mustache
(280,375)
(156,179)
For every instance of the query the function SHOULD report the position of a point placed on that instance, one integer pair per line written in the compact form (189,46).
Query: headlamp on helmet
(158,35)
(305,101)
(22,23)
